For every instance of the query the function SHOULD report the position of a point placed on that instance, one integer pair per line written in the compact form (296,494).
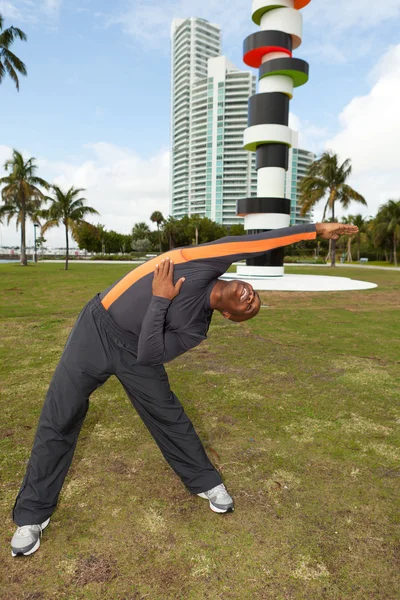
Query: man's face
(240,301)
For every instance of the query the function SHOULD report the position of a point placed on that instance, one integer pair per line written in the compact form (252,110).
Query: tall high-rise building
(220,169)
(209,167)
(299,161)
(194,41)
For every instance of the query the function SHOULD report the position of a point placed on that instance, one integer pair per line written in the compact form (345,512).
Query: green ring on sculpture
(261,12)
(252,146)
(256,16)
(295,68)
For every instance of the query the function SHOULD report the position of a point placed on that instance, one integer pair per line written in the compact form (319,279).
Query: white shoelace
(24,531)
(218,489)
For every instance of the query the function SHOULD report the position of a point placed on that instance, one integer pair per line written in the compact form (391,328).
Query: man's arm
(230,249)
(157,346)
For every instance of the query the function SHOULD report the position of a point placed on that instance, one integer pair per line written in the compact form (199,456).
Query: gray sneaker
(220,500)
(26,540)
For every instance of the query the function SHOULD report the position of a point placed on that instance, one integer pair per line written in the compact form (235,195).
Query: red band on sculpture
(254,57)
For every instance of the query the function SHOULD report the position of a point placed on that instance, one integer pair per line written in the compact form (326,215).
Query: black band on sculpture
(273,258)
(295,68)
(269,109)
(259,44)
(272,155)
(249,206)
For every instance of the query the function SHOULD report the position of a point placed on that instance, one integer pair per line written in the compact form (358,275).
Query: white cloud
(311,137)
(343,15)
(122,186)
(51,6)
(9,11)
(370,135)
(30,10)
(151,24)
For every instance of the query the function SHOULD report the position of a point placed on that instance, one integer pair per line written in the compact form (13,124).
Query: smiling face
(240,301)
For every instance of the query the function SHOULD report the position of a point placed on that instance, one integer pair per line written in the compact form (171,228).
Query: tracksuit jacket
(127,332)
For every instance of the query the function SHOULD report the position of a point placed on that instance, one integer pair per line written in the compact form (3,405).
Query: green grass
(299,409)
(375,263)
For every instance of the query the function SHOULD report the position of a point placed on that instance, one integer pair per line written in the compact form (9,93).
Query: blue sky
(95,107)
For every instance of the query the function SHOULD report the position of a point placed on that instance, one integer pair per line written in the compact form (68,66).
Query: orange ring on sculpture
(298,4)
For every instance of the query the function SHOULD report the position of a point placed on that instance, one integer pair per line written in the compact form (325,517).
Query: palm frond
(11,72)
(8,36)
(49,225)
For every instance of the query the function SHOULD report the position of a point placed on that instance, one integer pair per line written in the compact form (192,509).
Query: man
(149,317)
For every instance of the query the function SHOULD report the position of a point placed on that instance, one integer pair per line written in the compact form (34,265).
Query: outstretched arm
(240,247)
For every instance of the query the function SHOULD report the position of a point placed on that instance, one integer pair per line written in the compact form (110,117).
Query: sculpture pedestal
(243,271)
(299,283)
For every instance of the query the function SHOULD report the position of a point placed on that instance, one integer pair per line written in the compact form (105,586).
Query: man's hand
(333,231)
(163,281)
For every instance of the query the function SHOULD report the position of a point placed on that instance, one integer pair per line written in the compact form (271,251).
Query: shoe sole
(215,508)
(35,547)
(220,510)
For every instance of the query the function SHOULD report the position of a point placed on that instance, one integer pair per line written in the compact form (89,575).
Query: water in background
(9,261)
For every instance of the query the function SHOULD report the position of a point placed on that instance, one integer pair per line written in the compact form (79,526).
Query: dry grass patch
(310,570)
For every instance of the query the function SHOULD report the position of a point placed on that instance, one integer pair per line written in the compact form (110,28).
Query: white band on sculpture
(266,221)
(287,20)
(266,134)
(276,83)
(271,182)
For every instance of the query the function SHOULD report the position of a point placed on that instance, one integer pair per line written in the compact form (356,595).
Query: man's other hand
(333,231)
(163,280)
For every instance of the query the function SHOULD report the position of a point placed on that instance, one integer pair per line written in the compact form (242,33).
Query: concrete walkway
(340,265)
(140,262)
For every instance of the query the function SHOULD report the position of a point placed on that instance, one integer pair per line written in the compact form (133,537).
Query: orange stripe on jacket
(139,273)
(202,252)
(253,247)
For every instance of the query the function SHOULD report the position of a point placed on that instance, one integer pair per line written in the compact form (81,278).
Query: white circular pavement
(302,283)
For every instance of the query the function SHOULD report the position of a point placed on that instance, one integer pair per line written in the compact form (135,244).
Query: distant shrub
(304,260)
(118,257)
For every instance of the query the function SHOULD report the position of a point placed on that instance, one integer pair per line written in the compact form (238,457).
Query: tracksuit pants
(96,349)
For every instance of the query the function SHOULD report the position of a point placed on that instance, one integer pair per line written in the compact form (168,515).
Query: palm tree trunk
(67,247)
(23,260)
(349,255)
(159,236)
(333,264)
(358,247)
(395,249)
(329,255)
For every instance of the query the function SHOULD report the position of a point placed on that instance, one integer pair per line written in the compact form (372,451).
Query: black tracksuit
(129,333)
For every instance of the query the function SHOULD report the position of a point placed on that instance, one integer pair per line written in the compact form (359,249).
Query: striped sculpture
(268,134)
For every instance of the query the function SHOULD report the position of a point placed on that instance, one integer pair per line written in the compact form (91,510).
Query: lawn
(299,410)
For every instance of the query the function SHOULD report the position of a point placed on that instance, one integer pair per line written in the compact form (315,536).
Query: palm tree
(327,179)
(388,222)
(349,221)
(170,231)
(360,222)
(140,231)
(9,63)
(21,196)
(158,218)
(66,209)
